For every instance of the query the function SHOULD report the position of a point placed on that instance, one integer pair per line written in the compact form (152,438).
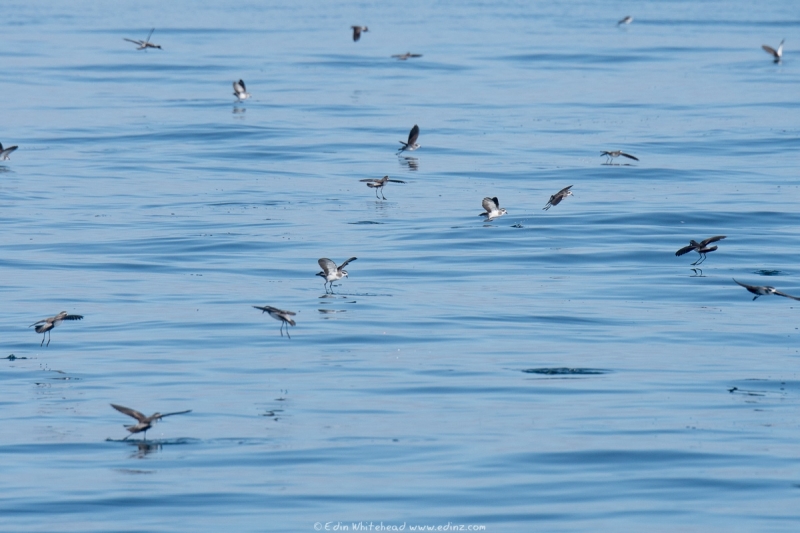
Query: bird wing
(629,156)
(563,191)
(130,412)
(327,265)
(286,312)
(779,293)
(414,55)
(134,42)
(356,32)
(396,181)
(370,180)
(769,50)
(149,35)
(685,250)
(490,204)
(708,241)
(413,135)
(72,317)
(7,150)
(341,267)
(176,413)
(42,321)
(264,309)
(748,287)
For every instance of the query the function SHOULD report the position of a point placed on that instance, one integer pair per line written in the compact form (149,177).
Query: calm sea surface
(551,370)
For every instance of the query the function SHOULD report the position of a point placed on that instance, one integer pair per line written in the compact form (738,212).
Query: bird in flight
(557,197)
(357,32)
(411,145)
(701,248)
(763,290)
(279,314)
(331,272)
(5,152)
(626,20)
(44,325)
(407,55)
(144,45)
(239,90)
(378,184)
(143,422)
(617,153)
(493,209)
(777,54)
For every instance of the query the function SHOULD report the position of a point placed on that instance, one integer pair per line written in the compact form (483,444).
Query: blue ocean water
(553,370)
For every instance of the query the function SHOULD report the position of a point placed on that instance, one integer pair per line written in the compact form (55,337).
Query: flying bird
(763,290)
(331,272)
(279,314)
(407,55)
(701,248)
(411,145)
(617,153)
(44,325)
(239,90)
(777,54)
(378,184)
(143,422)
(5,152)
(144,45)
(626,20)
(493,209)
(357,32)
(557,197)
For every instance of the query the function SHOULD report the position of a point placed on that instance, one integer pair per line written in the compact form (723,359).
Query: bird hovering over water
(701,248)
(617,153)
(5,152)
(239,90)
(777,54)
(331,272)
(357,32)
(44,325)
(763,290)
(411,145)
(143,422)
(278,314)
(493,209)
(144,45)
(557,197)
(407,55)
(626,20)
(378,184)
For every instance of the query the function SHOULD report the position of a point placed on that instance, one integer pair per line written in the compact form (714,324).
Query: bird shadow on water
(566,371)
(157,443)
(346,295)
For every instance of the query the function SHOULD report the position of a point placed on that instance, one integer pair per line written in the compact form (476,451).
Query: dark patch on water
(565,371)
(764,272)
(362,222)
